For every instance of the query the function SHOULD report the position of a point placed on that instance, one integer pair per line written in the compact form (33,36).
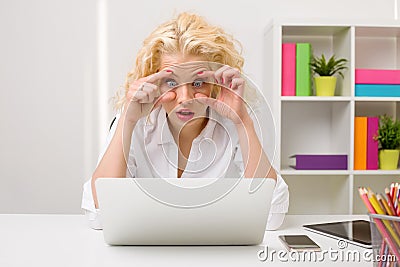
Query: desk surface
(66,240)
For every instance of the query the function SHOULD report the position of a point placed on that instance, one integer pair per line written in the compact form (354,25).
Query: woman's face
(185,83)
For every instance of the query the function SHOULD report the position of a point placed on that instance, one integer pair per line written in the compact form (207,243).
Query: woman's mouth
(185,114)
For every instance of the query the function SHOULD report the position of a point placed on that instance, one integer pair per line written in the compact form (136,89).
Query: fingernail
(222,80)
(200,72)
(169,71)
(230,85)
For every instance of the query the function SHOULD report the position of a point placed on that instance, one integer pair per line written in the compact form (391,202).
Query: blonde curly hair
(188,34)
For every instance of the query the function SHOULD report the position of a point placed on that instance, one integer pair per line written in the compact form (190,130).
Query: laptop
(190,211)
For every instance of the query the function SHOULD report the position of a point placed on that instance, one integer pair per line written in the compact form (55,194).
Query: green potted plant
(325,83)
(388,137)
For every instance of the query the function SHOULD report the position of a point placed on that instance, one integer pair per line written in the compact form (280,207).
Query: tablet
(356,232)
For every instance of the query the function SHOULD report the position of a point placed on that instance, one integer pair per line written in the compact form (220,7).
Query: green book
(303,70)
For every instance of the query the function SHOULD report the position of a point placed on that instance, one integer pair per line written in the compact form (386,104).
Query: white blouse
(214,153)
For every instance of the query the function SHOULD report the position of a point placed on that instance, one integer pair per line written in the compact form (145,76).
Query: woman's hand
(229,102)
(143,96)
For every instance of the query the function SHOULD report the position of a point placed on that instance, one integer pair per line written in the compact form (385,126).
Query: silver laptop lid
(191,211)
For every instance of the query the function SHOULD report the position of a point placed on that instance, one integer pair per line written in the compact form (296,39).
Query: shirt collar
(208,131)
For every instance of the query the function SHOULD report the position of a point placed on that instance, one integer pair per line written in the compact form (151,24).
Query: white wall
(52,100)
(47,78)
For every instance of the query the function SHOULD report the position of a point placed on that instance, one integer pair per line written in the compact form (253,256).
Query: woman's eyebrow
(190,74)
(172,75)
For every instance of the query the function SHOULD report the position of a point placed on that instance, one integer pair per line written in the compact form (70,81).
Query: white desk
(65,240)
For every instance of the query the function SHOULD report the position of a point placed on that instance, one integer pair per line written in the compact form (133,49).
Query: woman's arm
(114,161)
(230,104)
(142,96)
(256,163)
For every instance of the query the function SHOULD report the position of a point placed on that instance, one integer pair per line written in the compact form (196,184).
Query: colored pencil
(395,196)
(383,251)
(384,204)
(389,200)
(378,209)
(386,236)
(372,194)
(393,193)
(364,198)
(396,204)
(382,200)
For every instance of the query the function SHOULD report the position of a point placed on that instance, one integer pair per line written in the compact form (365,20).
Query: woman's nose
(184,93)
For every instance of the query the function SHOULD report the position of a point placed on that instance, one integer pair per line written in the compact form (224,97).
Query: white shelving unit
(317,125)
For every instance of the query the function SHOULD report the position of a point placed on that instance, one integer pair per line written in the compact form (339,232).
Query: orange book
(360,143)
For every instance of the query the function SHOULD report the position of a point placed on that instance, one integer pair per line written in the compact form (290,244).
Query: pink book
(289,69)
(375,76)
(372,145)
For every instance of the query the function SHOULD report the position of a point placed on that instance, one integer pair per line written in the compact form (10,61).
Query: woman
(185,89)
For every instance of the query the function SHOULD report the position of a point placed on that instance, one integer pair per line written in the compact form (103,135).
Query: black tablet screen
(357,231)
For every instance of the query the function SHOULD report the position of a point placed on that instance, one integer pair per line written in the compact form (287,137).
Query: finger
(145,98)
(215,104)
(136,96)
(168,97)
(165,98)
(219,72)
(227,93)
(204,99)
(198,95)
(237,85)
(149,86)
(158,76)
(229,74)
(151,90)
(131,94)
(207,76)
(135,85)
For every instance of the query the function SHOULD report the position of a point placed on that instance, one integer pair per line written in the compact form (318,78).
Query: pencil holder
(385,234)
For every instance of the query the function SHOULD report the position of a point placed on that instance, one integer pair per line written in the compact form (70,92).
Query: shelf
(377,47)
(289,171)
(316,127)
(377,172)
(318,31)
(323,194)
(316,98)
(325,125)
(327,40)
(376,108)
(377,99)
(390,31)
(338,99)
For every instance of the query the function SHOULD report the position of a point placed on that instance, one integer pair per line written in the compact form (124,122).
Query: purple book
(320,162)
(372,145)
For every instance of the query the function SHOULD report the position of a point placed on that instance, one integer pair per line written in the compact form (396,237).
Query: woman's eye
(198,83)
(171,83)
